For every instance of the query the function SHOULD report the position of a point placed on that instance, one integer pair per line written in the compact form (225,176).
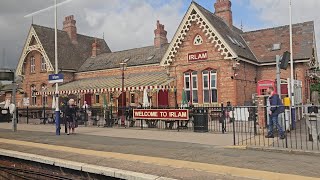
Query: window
(132,98)
(97,98)
(32,64)
(197,40)
(44,95)
(43,64)
(33,95)
(276,47)
(209,79)
(191,86)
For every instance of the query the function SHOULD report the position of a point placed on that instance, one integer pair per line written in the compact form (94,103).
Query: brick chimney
(95,48)
(160,35)
(69,25)
(223,10)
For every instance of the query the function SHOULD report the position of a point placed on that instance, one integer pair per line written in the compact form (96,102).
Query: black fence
(218,119)
(246,125)
(301,128)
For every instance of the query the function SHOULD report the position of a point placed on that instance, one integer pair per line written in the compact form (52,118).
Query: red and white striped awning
(138,82)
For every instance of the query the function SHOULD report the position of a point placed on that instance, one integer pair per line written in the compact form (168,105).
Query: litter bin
(200,120)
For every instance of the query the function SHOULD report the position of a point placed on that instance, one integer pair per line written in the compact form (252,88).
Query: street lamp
(57,111)
(123,67)
(44,88)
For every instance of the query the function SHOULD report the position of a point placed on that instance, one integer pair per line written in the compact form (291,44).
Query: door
(120,103)
(163,98)
(87,98)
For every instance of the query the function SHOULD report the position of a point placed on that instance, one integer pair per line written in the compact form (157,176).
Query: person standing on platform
(276,109)
(71,114)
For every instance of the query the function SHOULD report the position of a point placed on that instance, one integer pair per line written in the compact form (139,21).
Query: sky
(130,23)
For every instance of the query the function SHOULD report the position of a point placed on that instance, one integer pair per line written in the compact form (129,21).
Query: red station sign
(161,114)
(198,56)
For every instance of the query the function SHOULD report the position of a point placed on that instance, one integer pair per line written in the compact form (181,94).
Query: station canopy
(132,82)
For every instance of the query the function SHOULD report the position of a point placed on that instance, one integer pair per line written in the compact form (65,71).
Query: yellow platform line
(212,168)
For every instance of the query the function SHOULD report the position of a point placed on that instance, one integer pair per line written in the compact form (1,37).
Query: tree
(315,87)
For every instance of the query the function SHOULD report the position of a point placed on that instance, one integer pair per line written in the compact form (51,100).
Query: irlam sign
(161,114)
(198,56)
(55,78)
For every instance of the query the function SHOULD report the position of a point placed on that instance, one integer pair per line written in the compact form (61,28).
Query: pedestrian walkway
(179,160)
(163,135)
(188,167)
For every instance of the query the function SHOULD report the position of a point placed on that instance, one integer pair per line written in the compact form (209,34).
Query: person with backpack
(276,109)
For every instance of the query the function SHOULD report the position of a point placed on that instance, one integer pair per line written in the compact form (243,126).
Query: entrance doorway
(87,98)
(163,98)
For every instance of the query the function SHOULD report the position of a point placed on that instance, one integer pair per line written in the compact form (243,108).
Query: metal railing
(302,133)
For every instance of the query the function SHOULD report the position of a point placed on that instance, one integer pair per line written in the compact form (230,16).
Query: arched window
(43,64)
(32,64)
(44,95)
(209,81)
(197,40)
(33,91)
(191,86)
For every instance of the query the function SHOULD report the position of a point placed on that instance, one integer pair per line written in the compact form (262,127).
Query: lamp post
(57,111)
(44,103)
(291,68)
(123,67)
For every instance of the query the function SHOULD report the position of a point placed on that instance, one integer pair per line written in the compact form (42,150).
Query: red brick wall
(226,86)
(246,82)
(37,78)
(269,72)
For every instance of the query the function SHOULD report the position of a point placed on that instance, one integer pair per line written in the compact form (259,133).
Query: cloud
(124,23)
(276,12)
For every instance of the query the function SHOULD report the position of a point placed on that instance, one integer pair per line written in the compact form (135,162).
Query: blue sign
(55,78)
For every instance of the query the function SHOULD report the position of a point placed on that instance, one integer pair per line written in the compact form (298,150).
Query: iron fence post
(233,127)
(223,119)
(17,114)
(85,116)
(27,114)
(255,119)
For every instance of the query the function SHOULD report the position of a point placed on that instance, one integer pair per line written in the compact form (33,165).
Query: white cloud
(125,23)
(131,23)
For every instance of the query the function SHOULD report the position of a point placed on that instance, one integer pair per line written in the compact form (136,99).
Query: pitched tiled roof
(108,82)
(133,57)
(231,35)
(261,41)
(9,87)
(70,56)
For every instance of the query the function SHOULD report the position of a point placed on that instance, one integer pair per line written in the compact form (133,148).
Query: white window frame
(43,64)
(210,74)
(187,76)
(190,76)
(33,95)
(194,74)
(32,64)
(44,95)
(206,73)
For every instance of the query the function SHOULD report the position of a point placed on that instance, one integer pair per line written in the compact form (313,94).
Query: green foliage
(315,87)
